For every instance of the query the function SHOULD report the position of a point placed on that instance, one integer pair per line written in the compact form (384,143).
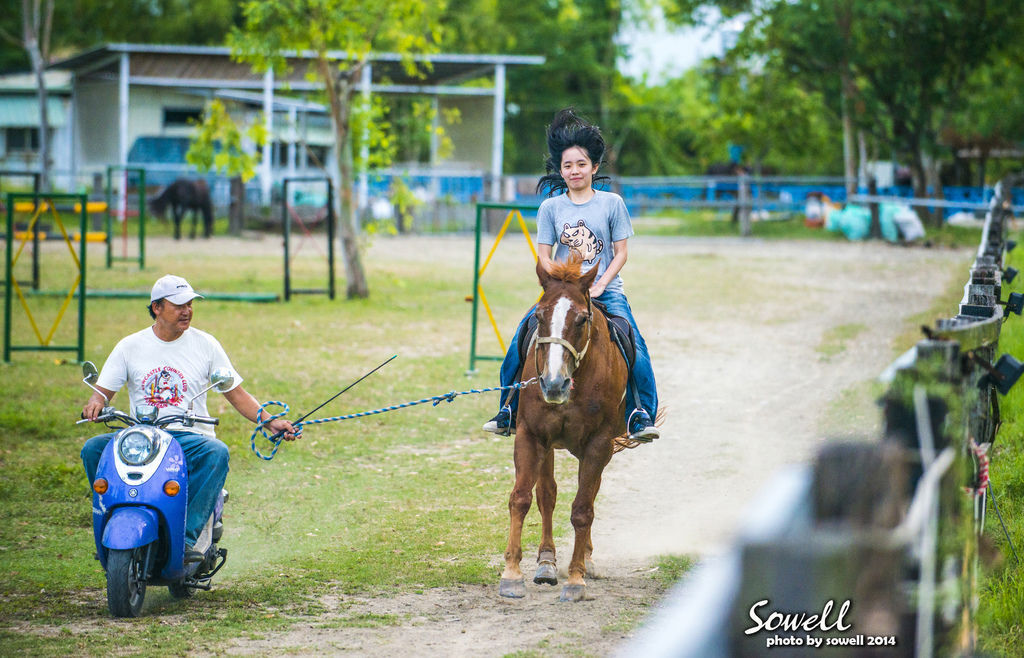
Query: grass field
(397,502)
(366,503)
(1002,594)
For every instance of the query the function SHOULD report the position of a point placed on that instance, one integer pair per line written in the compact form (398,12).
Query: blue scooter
(139,501)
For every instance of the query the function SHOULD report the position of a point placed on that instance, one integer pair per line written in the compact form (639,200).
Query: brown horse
(578,406)
(181,196)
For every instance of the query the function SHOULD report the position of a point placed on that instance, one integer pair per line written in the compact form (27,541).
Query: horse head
(158,206)
(564,325)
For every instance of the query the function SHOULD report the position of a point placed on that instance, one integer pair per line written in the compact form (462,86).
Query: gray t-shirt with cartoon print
(589,228)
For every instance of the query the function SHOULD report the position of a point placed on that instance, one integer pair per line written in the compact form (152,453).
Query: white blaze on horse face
(559,321)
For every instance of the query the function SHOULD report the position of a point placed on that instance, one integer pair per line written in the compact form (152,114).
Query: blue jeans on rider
(642,380)
(206,460)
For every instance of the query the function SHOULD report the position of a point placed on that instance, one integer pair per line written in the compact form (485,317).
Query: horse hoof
(546,574)
(572,593)
(512,589)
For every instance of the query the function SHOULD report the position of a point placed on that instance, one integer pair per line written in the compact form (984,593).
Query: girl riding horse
(595,226)
(585,400)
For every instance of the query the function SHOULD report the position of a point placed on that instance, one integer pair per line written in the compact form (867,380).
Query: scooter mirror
(222,379)
(91,375)
(90,372)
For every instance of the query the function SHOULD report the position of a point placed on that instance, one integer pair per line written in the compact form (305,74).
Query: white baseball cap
(174,289)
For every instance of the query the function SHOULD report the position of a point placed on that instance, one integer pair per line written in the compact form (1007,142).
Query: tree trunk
(849,159)
(862,159)
(933,181)
(236,207)
(340,91)
(917,169)
(35,32)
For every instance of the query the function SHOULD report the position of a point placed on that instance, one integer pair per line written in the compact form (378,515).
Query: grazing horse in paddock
(578,405)
(183,195)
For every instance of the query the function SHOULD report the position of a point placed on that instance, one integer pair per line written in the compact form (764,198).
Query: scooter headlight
(138,446)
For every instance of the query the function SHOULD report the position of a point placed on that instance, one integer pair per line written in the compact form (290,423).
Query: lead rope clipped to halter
(277,438)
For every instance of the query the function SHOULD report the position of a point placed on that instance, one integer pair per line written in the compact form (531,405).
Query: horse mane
(569,271)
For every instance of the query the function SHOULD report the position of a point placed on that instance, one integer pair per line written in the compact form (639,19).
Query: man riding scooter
(161,365)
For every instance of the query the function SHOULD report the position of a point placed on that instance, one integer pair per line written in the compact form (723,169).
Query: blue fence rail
(641,194)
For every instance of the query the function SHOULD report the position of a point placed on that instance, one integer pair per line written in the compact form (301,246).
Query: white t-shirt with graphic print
(166,374)
(588,228)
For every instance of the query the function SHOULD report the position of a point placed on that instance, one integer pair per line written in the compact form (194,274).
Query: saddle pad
(618,326)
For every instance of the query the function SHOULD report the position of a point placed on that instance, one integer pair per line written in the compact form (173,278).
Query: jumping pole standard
(142,215)
(515,211)
(11,258)
(286,221)
(36,178)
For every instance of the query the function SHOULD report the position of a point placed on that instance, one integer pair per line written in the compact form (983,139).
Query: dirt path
(748,387)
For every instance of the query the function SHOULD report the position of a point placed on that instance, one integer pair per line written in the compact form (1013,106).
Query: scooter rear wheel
(126,581)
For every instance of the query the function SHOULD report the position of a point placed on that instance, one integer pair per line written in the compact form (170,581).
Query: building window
(178,117)
(317,156)
(280,158)
(22,139)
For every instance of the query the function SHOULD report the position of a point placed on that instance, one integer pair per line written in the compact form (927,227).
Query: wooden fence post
(876,222)
(743,201)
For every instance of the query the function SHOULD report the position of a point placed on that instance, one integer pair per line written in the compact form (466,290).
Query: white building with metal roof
(130,102)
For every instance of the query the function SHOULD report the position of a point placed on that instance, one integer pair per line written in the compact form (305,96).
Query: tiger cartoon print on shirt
(581,240)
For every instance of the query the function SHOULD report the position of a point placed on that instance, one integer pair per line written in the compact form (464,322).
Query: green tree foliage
(218,144)
(202,22)
(902,67)
(992,114)
(677,127)
(662,130)
(577,39)
(274,28)
(779,123)
(81,24)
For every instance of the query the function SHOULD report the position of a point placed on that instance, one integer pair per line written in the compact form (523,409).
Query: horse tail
(623,442)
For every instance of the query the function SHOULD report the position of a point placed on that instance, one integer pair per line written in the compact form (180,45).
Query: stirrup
(493,426)
(645,434)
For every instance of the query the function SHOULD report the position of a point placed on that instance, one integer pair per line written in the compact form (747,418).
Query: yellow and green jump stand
(111,258)
(40,203)
(515,211)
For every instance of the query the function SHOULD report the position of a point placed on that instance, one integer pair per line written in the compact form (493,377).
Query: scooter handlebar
(109,414)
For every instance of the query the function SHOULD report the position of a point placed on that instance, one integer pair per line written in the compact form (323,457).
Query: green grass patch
(392,503)
(670,569)
(404,501)
(836,339)
(1002,589)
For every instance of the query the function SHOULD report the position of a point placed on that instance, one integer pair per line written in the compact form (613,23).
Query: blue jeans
(207,462)
(641,382)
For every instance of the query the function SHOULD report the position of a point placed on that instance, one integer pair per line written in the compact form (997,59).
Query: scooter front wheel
(126,581)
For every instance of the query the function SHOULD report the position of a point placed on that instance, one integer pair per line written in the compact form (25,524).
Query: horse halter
(558,340)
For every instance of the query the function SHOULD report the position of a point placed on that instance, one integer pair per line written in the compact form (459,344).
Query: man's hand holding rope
(278,425)
(249,406)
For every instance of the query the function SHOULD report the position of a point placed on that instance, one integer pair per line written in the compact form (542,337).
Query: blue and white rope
(437,399)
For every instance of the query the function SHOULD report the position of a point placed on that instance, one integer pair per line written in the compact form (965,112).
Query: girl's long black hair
(568,130)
